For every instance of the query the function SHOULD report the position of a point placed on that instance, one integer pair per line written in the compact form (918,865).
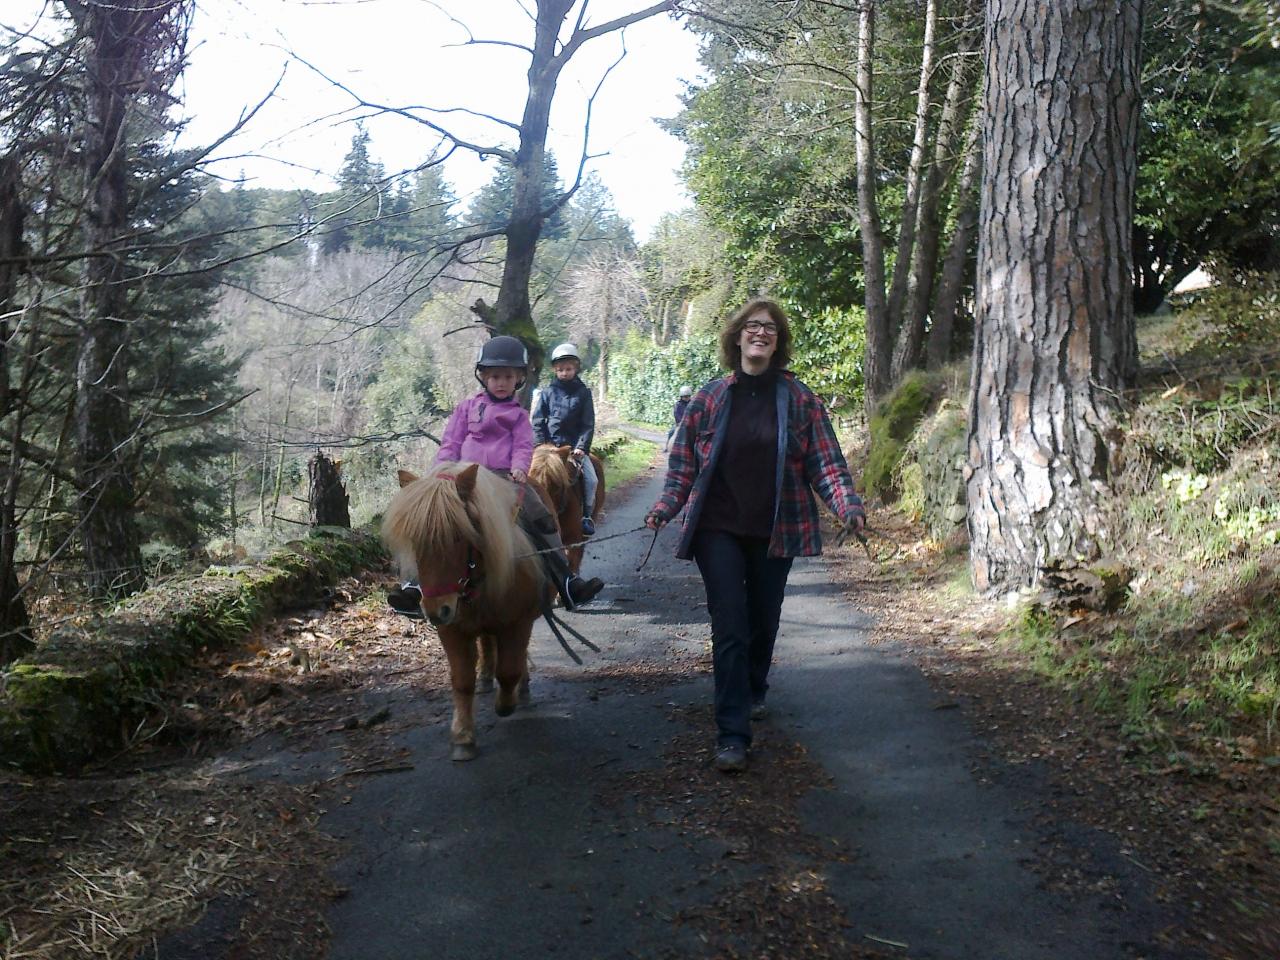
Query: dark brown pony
(479,579)
(556,472)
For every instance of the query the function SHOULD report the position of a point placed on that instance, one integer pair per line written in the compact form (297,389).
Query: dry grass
(147,856)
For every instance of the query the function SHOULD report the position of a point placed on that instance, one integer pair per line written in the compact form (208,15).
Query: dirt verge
(1206,827)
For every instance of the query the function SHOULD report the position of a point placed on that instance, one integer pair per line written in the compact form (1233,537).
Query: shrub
(1242,313)
(645,379)
(829,348)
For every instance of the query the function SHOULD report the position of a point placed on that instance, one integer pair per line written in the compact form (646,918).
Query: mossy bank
(80,692)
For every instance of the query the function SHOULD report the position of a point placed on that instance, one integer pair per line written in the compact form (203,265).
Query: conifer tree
(359,212)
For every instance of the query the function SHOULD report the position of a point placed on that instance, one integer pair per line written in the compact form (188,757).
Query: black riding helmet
(503,352)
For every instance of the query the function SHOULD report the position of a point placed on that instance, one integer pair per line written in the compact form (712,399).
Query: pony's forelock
(428,517)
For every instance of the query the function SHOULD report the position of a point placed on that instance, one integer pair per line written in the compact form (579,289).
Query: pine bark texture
(1055,341)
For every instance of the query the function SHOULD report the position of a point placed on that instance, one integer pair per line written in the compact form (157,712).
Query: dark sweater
(742,493)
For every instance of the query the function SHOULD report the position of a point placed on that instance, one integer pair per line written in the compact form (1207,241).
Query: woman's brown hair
(731,353)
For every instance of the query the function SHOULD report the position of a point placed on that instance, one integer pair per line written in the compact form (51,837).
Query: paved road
(515,855)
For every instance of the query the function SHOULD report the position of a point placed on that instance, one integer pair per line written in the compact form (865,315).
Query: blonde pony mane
(428,518)
(549,470)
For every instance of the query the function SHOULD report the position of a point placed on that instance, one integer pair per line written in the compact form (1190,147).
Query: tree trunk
(875,366)
(512,313)
(327,497)
(924,262)
(119,38)
(915,174)
(604,344)
(15,627)
(951,282)
(233,516)
(277,487)
(1055,340)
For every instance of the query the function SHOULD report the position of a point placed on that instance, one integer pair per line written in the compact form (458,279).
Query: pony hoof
(523,698)
(484,685)
(504,710)
(462,751)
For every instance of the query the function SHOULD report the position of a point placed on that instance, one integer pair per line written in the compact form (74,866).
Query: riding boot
(573,590)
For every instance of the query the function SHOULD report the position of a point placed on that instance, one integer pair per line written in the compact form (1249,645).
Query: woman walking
(750,450)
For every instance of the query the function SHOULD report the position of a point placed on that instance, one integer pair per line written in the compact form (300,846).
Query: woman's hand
(653,521)
(852,527)
(519,476)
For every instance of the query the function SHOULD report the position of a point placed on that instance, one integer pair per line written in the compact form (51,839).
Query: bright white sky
(406,52)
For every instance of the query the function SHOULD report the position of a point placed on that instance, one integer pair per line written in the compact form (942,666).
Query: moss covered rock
(940,452)
(891,427)
(79,692)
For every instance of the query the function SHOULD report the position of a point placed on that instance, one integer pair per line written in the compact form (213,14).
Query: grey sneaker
(730,758)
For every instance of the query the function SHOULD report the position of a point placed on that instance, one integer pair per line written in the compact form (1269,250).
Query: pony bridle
(464,586)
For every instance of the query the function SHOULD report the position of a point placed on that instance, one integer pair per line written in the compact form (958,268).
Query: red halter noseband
(463,586)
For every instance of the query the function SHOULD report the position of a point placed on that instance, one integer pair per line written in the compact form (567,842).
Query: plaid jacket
(808,457)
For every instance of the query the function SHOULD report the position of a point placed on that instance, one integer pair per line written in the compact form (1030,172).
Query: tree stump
(327,497)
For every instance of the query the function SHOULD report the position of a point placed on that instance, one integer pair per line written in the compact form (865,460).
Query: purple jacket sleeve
(455,431)
(522,444)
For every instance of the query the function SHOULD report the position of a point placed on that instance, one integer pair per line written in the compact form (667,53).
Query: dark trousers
(744,597)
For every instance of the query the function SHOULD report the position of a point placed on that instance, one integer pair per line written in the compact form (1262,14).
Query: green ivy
(828,349)
(645,380)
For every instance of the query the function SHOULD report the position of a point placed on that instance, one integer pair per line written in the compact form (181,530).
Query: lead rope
(844,533)
(584,543)
(555,623)
(648,552)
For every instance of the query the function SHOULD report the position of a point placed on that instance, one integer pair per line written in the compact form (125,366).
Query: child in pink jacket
(493,430)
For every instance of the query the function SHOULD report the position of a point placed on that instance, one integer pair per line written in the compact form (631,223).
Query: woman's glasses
(755,326)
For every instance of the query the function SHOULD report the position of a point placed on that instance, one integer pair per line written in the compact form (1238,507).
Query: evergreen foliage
(490,209)
(647,379)
(828,349)
(359,213)
(1209,159)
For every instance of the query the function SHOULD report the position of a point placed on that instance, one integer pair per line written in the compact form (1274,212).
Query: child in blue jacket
(564,414)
